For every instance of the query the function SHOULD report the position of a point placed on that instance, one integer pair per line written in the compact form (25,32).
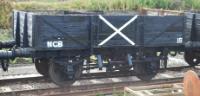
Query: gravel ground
(16,86)
(18,71)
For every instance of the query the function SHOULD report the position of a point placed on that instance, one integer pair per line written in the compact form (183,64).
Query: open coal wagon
(61,43)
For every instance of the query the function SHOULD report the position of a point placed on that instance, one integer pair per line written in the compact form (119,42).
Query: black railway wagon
(61,43)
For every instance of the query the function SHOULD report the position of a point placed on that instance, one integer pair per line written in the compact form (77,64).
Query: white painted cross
(117,31)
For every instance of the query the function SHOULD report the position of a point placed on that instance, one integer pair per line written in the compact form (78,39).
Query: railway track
(84,90)
(35,86)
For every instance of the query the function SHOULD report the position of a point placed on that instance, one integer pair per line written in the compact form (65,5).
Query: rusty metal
(191,84)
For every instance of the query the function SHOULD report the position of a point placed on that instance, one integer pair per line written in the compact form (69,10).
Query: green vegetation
(21,61)
(34,5)
(6,6)
(5,34)
(110,4)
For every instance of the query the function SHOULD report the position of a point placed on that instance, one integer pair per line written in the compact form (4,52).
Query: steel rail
(91,87)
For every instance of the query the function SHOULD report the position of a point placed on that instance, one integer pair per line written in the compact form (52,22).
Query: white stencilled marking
(117,31)
(54,44)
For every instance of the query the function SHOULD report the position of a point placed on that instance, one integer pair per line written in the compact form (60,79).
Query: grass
(102,5)
(34,5)
(107,5)
(5,34)
(21,61)
(5,10)
(6,6)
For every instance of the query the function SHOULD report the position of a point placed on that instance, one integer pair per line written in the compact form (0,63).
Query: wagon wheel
(59,76)
(56,74)
(191,58)
(146,70)
(42,66)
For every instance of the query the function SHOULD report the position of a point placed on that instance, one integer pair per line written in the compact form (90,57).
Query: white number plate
(179,40)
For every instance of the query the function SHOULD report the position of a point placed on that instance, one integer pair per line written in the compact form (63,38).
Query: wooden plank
(155,90)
